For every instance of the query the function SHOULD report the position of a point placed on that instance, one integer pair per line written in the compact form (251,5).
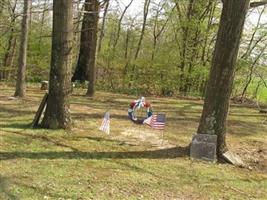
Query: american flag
(156,121)
(105,123)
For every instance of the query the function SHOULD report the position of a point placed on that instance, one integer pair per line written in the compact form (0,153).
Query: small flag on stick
(156,121)
(105,123)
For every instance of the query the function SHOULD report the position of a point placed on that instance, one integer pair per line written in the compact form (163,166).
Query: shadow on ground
(169,153)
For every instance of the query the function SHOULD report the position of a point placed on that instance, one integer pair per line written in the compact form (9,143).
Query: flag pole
(162,136)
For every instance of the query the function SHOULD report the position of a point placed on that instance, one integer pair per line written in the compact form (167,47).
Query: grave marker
(203,147)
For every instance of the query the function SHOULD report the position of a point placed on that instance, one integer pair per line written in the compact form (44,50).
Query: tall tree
(140,41)
(21,82)
(157,29)
(251,71)
(102,30)
(42,22)
(145,14)
(193,18)
(215,110)
(57,114)
(92,50)
(11,44)
(117,36)
(85,69)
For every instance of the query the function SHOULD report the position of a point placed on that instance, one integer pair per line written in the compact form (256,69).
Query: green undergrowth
(84,163)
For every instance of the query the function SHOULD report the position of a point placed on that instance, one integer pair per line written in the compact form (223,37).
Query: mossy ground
(85,163)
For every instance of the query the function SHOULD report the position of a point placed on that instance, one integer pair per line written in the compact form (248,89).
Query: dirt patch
(145,136)
(254,155)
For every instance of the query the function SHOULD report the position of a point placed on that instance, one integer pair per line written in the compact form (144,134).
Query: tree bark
(21,83)
(57,114)
(93,21)
(215,110)
(258,3)
(85,69)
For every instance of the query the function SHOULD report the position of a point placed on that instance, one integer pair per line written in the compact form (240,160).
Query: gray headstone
(203,147)
(44,85)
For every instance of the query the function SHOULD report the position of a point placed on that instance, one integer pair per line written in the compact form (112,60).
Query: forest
(133,99)
(163,42)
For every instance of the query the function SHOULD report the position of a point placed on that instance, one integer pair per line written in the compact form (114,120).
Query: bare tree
(11,45)
(145,14)
(21,82)
(117,36)
(42,21)
(251,71)
(102,30)
(250,48)
(158,30)
(258,3)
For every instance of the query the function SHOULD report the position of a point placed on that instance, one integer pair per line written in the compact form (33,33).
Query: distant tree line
(168,42)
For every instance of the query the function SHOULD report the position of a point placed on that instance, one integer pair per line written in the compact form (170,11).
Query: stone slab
(203,147)
(12,98)
(233,159)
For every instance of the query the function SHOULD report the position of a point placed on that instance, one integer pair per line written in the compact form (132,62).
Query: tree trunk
(42,25)
(21,83)
(133,73)
(251,71)
(93,23)
(156,30)
(85,69)
(146,9)
(215,110)
(9,57)
(57,114)
(127,60)
(11,45)
(257,89)
(81,67)
(252,39)
(117,36)
(102,32)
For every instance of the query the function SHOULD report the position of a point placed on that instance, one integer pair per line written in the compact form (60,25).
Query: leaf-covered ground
(133,162)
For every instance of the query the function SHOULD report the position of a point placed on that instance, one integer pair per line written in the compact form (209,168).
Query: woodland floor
(133,162)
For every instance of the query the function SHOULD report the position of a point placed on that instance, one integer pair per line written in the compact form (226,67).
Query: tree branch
(258,3)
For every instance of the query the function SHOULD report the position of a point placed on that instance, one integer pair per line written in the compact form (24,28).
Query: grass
(132,162)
